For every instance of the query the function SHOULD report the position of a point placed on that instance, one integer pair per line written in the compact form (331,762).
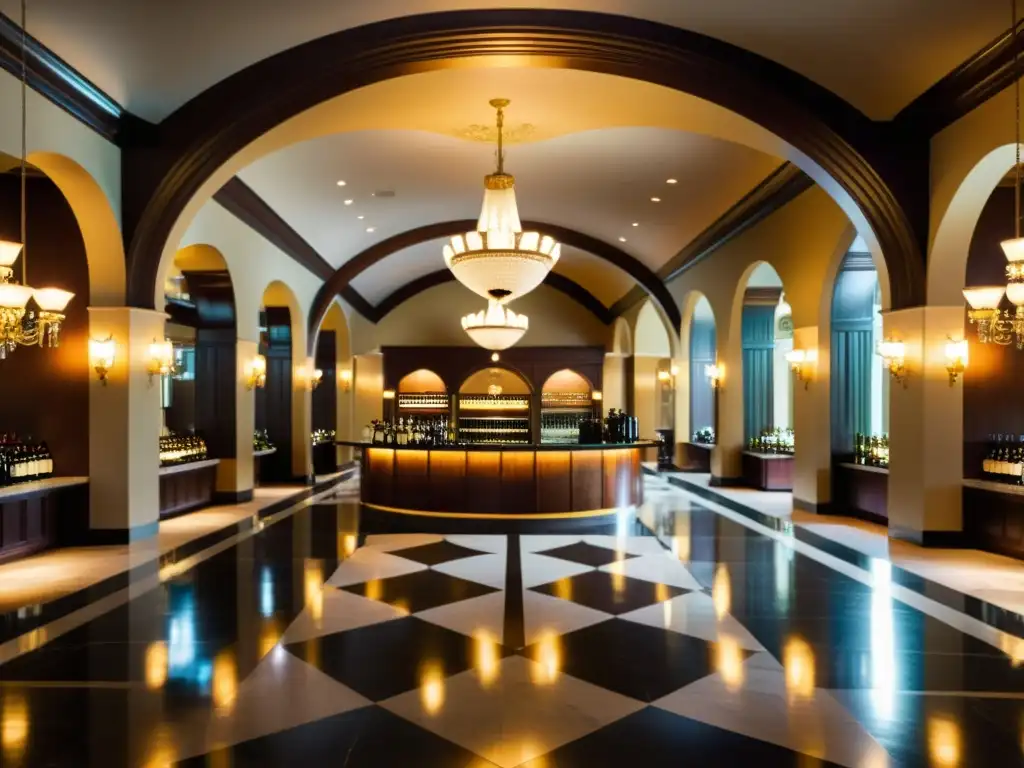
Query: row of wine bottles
(22,461)
(181,449)
(323,436)
(410,431)
(1004,459)
(871,450)
(617,427)
(776,440)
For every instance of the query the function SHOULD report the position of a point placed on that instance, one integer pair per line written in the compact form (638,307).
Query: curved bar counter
(505,480)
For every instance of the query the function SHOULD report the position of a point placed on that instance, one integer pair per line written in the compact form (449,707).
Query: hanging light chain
(24,146)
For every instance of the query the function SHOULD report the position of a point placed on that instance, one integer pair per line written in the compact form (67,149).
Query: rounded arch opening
(693,387)
(566,380)
(657,57)
(422,381)
(485,381)
(653,371)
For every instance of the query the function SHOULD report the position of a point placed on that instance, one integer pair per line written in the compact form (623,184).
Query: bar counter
(506,480)
(768,471)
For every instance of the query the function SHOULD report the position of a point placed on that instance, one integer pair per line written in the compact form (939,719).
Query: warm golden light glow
(1012,647)
(729,662)
(256,372)
(721,591)
(313,582)
(14,726)
(798,660)
(432,687)
(956,359)
(348,544)
(563,589)
(101,356)
(374,589)
(894,354)
(225,680)
(715,374)
(345,377)
(618,586)
(661,593)
(943,741)
(269,636)
(388,394)
(156,665)
(486,656)
(161,358)
(548,659)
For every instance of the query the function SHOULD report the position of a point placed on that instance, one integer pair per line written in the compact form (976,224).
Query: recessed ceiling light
(655,199)
(636,223)
(622,239)
(341,183)
(670,181)
(349,202)
(371,229)
(360,217)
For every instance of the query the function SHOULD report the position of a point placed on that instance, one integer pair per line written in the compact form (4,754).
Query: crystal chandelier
(997,325)
(18,324)
(498,260)
(495,328)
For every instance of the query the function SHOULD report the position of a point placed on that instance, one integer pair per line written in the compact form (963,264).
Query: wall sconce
(956,359)
(802,363)
(388,394)
(495,357)
(256,373)
(664,376)
(597,396)
(161,359)
(893,353)
(345,376)
(101,357)
(316,378)
(715,374)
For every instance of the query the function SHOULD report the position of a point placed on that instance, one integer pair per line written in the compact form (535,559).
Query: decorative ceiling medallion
(488,134)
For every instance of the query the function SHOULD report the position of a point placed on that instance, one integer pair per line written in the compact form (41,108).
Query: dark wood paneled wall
(325,397)
(274,402)
(216,397)
(455,364)
(46,392)
(992,399)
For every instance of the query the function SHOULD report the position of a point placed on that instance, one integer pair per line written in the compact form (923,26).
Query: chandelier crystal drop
(495,328)
(18,323)
(498,260)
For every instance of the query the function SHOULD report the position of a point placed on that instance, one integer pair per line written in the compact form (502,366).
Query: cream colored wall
(432,319)
(369,385)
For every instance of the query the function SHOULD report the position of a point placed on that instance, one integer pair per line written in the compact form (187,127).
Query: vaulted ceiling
(154,56)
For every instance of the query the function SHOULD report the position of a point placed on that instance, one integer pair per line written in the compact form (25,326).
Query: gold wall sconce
(316,378)
(956,359)
(664,376)
(802,362)
(345,377)
(597,396)
(161,359)
(389,394)
(894,354)
(101,357)
(715,374)
(256,373)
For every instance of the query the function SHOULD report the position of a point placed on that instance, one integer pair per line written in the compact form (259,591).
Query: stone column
(812,470)
(729,445)
(925,429)
(302,419)
(124,429)
(346,428)
(236,477)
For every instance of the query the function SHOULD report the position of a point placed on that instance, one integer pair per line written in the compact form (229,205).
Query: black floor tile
(436,553)
(415,592)
(365,738)
(587,554)
(609,592)
(638,661)
(386,659)
(654,738)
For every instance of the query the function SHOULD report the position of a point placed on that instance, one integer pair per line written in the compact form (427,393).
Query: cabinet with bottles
(423,402)
(178,449)
(871,450)
(23,460)
(1004,459)
(424,431)
(494,420)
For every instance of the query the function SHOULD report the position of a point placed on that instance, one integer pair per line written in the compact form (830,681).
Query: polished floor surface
(684,636)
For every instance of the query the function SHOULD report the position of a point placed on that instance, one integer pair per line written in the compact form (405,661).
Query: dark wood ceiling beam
(569,287)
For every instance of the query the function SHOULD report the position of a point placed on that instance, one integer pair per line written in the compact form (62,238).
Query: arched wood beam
(569,287)
(348,271)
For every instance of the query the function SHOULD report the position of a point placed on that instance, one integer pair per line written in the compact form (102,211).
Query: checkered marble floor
(609,648)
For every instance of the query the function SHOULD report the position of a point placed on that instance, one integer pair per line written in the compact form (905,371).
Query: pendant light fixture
(18,323)
(496,328)
(995,324)
(498,260)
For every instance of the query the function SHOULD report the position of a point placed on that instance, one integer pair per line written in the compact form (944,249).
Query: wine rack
(566,400)
(494,430)
(494,403)
(425,401)
(562,425)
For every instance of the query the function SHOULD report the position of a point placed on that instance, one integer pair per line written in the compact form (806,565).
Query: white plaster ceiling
(154,56)
(598,182)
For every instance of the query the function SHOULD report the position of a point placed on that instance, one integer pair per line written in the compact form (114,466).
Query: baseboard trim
(100,537)
(233,497)
(932,539)
(813,507)
(726,482)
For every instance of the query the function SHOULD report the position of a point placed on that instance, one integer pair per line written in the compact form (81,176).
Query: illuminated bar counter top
(506,480)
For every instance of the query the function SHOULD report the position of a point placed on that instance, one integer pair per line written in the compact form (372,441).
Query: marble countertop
(994,486)
(40,486)
(264,452)
(191,466)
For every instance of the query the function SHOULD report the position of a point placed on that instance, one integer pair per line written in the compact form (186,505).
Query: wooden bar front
(768,471)
(512,480)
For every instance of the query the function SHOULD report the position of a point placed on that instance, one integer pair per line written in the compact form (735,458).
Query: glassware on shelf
(704,436)
(773,441)
(476,430)
(181,449)
(566,399)
(494,403)
(322,436)
(871,450)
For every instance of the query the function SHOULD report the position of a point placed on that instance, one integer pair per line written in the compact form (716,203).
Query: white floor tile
(496,545)
(482,569)
(694,614)
(367,564)
(661,568)
(634,545)
(338,611)
(755,702)
(513,714)
(541,543)
(389,542)
(544,615)
(541,569)
(479,616)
